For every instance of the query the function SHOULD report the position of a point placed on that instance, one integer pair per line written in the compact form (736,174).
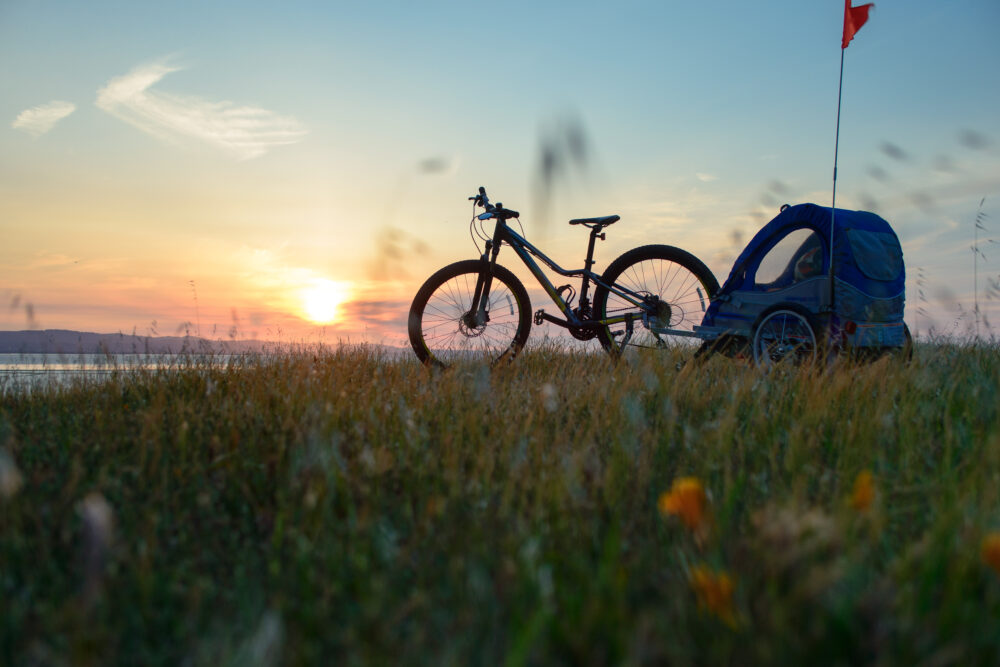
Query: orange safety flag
(854,18)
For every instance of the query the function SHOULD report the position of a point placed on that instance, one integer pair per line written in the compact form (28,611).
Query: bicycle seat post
(594,235)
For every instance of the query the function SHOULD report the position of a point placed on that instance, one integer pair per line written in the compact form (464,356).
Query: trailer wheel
(785,334)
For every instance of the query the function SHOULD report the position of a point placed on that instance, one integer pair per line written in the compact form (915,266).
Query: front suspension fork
(478,314)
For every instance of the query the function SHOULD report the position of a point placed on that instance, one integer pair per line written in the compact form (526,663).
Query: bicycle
(477,307)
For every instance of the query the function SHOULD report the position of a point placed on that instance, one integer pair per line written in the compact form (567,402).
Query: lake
(19,372)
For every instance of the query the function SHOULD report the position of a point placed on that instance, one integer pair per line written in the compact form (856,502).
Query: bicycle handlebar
(492,211)
(481,199)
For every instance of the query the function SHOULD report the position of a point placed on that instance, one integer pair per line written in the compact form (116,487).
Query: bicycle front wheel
(681,284)
(443,328)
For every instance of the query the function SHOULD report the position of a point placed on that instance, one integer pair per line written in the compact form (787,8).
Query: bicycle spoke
(451,331)
(675,294)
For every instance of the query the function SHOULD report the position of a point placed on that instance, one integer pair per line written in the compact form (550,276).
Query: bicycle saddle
(603,221)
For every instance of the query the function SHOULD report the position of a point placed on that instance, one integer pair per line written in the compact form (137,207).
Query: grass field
(343,507)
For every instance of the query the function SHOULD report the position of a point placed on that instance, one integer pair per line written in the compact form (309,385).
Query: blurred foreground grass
(347,507)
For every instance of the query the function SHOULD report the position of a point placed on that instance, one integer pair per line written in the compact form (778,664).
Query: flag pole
(836,150)
(854,18)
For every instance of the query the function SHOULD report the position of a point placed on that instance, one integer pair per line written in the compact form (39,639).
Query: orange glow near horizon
(321,301)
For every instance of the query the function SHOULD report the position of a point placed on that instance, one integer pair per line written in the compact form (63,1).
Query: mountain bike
(477,308)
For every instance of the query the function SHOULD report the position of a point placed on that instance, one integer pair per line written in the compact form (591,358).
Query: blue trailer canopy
(869,276)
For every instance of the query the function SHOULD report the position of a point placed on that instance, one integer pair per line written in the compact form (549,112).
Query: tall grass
(343,506)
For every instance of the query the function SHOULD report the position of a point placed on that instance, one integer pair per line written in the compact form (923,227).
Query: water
(20,372)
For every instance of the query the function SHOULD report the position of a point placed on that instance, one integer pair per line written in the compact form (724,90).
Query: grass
(343,506)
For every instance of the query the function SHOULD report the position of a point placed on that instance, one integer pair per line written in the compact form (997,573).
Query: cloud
(244,131)
(377,310)
(705,178)
(47,260)
(36,121)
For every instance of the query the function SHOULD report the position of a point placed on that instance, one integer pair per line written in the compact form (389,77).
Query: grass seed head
(10,476)
(98,533)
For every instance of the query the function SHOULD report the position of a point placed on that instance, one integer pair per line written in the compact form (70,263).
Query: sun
(321,301)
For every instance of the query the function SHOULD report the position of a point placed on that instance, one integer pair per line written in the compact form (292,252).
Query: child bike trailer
(778,300)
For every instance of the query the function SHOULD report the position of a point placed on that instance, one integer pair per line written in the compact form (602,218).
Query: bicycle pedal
(539,317)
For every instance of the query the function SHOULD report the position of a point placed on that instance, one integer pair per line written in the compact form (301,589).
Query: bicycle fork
(478,314)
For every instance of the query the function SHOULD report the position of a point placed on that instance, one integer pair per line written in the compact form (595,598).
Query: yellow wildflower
(714,592)
(686,500)
(991,551)
(864,491)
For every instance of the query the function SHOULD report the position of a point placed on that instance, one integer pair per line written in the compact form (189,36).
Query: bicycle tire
(672,274)
(440,337)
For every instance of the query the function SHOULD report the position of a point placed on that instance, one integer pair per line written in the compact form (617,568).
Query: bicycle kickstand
(628,330)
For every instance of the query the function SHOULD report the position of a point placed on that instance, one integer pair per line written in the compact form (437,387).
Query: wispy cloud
(244,131)
(36,121)
(705,178)
(47,260)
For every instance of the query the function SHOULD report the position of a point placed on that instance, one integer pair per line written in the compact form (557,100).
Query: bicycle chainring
(583,333)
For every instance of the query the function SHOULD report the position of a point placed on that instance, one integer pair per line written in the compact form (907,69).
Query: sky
(294,171)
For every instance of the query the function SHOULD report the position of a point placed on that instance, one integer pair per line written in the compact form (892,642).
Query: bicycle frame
(526,251)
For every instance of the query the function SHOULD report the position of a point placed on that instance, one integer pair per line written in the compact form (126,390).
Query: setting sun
(321,301)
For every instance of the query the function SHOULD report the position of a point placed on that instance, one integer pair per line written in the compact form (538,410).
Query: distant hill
(61,341)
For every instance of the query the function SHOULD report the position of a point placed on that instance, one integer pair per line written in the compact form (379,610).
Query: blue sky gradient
(280,145)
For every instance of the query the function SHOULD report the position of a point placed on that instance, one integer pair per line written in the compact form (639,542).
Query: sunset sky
(293,171)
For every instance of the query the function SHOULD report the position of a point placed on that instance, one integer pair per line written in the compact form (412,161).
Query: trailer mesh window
(877,254)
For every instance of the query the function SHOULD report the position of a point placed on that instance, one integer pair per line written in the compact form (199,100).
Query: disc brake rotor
(467,330)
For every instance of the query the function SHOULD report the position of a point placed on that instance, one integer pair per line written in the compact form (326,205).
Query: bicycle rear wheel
(441,329)
(681,283)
